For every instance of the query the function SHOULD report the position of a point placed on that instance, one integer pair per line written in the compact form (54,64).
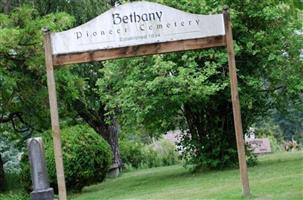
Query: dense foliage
(23,92)
(77,99)
(86,156)
(23,77)
(190,91)
(22,68)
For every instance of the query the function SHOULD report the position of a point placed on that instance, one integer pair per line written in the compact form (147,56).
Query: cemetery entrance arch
(138,29)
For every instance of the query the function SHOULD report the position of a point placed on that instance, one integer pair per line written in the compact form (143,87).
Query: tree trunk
(1,174)
(109,131)
(110,134)
(211,140)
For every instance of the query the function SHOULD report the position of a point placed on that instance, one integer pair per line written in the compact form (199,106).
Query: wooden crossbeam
(142,50)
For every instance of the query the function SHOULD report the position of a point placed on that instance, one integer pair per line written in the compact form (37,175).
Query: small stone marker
(41,189)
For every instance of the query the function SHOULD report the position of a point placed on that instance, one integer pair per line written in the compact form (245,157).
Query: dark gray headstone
(41,189)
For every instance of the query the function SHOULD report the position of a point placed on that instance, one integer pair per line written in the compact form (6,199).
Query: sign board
(136,24)
(137,29)
(260,146)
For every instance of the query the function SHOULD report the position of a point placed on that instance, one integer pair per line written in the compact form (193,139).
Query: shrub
(86,156)
(158,153)
(131,153)
(10,153)
(161,153)
(212,153)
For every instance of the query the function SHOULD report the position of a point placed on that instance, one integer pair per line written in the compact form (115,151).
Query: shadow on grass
(157,178)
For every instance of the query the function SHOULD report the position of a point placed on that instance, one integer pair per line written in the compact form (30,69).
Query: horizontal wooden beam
(147,49)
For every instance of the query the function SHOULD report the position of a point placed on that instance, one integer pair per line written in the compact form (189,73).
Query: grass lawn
(277,177)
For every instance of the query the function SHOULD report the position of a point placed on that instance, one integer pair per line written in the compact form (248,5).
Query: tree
(86,103)
(82,10)
(79,94)
(190,91)
(23,95)
(22,65)
(290,121)
(88,106)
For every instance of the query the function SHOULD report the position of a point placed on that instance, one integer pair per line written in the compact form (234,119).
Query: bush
(215,152)
(161,153)
(10,153)
(131,153)
(158,153)
(86,156)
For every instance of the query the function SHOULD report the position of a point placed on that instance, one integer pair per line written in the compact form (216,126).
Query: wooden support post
(236,104)
(54,115)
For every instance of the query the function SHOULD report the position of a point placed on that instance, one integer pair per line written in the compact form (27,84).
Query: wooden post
(236,103)
(54,115)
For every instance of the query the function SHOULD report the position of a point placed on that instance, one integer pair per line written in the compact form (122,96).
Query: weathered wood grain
(142,50)
(54,116)
(236,104)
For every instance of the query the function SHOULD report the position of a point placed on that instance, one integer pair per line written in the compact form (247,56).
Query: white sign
(134,24)
(260,146)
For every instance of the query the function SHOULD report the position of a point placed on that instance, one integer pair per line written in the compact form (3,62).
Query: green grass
(277,177)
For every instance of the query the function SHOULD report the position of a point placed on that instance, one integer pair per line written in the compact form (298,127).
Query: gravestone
(41,189)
